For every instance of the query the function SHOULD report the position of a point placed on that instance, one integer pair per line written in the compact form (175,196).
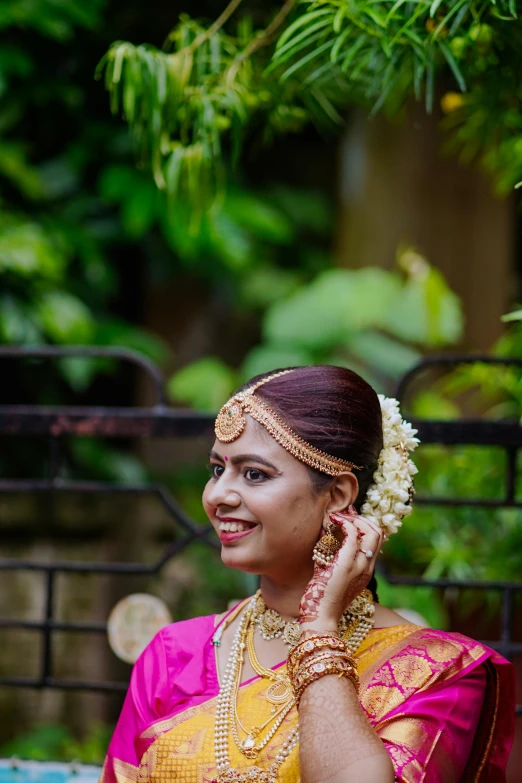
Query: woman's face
(257,482)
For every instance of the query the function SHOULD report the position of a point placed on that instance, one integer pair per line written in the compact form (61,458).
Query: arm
(337,743)
(139,709)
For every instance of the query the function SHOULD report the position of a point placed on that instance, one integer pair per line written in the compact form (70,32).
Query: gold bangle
(308,646)
(327,655)
(315,670)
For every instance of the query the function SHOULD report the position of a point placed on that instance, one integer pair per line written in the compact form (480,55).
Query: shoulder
(185,636)
(420,657)
(443,648)
(176,643)
(408,660)
(174,662)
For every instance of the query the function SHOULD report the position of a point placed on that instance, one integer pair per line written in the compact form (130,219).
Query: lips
(228,528)
(226,537)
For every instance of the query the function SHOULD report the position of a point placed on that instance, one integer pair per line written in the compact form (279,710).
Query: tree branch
(214,27)
(263,39)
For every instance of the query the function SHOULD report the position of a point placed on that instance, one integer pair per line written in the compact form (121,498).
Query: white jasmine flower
(388,499)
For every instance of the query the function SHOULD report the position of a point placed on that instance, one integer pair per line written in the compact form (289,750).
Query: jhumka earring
(327,547)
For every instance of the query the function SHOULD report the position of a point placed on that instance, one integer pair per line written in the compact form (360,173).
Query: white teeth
(233,527)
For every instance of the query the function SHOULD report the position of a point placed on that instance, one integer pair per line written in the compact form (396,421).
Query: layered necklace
(354,626)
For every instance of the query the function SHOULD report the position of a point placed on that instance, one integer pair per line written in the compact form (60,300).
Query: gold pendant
(292,633)
(279,692)
(248,743)
(271,622)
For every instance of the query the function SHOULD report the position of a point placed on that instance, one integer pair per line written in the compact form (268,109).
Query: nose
(222,492)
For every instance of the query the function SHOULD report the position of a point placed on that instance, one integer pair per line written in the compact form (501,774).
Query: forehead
(256,440)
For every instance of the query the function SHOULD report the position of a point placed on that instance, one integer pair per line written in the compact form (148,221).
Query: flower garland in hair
(389,498)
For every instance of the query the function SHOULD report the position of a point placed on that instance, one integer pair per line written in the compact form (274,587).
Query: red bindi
(226,459)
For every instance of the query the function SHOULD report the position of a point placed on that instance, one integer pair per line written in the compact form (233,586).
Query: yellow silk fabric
(183,746)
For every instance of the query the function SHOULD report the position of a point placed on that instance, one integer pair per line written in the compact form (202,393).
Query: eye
(212,467)
(256,475)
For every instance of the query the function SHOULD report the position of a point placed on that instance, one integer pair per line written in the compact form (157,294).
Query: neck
(285,598)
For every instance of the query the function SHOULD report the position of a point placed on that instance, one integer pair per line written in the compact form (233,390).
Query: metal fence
(160,421)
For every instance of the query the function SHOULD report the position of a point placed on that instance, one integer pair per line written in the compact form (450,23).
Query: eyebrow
(239,458)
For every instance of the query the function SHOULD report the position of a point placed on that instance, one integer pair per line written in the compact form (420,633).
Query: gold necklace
(272,626)
(225,723)
(354,625)
(248,745)
(281,689)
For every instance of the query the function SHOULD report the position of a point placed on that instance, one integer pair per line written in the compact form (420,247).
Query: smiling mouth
(235,527)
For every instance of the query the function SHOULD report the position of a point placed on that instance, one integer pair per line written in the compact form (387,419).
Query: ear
(342,492)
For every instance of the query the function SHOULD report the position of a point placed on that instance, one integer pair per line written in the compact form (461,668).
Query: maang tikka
(231,422)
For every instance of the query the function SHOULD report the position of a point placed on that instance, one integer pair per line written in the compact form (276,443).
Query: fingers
(369,536)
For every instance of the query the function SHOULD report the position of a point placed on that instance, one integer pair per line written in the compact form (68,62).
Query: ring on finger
(368,552)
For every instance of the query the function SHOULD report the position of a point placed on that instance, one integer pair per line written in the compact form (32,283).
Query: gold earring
(327,547)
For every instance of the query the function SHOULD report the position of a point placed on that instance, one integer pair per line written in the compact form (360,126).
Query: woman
(311,679)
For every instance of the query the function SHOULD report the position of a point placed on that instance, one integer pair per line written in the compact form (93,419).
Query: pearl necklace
(354,626)
(225,720)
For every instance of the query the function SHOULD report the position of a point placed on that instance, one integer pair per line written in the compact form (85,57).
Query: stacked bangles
(317,656)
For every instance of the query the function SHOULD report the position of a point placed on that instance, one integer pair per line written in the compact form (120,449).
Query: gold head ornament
(231,422)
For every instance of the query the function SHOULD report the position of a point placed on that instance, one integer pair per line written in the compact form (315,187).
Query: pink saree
(442,704)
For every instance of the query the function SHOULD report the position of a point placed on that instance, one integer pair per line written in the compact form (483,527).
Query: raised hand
(333,587)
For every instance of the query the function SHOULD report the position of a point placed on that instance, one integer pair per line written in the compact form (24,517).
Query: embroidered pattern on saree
(394,664)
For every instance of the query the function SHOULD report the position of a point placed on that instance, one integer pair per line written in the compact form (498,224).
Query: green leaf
(265,358)
(205,384)
(516,315)
(120,334)
(383,354)
(333,307)
(259,217)
(302,21)
(65,318)
(429,313)
(16,324)
(80,371)
(266,284)
(453,65)
(26,249)
(108,463)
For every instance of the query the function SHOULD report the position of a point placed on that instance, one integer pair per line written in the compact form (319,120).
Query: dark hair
(335,410)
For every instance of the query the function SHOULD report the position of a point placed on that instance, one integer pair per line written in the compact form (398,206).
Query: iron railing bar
(55,625)
(46,631)
(68,566)
(507,649)
(53,682)
(81,351)
(450,361)
(171,504)
(67,485)
(506,616)
(104,422)
(447,582)
(468,502)
(511,474)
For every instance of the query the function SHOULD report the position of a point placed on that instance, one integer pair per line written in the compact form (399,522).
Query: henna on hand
(333,587)
(309,607)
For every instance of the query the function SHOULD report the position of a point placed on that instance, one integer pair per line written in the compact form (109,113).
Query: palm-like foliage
(191,104)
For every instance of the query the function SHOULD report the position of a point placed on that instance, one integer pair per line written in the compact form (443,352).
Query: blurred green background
(279,198)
